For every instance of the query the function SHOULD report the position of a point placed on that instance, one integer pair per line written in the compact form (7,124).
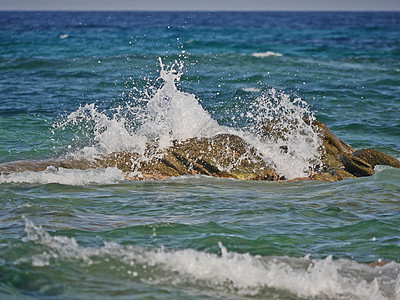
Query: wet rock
(341,161)
(379,263)
(374,158)
(332,146)
(333,174)
(224,155)
(356,166)
(42,165)
(362,162)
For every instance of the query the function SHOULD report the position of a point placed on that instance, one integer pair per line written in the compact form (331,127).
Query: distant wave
(266,54)
(251,90)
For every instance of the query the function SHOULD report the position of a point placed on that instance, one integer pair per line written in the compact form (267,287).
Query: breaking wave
(160,115)
(267,54)
(228,272)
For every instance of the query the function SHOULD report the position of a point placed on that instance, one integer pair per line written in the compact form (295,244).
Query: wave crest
(162,115)
(229,272)
(266,54)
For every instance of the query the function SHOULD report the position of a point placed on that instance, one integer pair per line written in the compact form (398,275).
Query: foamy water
(196,237)
(266,54)
(167,114)
(66,176)
(251,89)
(230,272)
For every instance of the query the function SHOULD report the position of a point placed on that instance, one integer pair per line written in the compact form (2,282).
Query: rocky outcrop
(341,161)
(224,155)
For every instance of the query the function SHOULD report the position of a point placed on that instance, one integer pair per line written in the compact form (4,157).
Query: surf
(162,115)
(164,131)
(226,272)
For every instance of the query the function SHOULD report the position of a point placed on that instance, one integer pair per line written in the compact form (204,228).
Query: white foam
(230,272)
(66,176)
(168,114)
(163,114)
(266,54)
(111,131)
(380,168)
(64,36)
(286,116)
(173,114)
(251,90)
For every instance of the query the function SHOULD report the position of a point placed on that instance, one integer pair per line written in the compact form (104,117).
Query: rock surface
(224,155)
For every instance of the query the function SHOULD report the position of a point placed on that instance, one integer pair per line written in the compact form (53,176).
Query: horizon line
(195,10)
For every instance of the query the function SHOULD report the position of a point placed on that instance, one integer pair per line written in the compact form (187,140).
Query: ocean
(81,84)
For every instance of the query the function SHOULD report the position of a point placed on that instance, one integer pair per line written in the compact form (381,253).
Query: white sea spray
(175,115)
(163,114)
(284,133)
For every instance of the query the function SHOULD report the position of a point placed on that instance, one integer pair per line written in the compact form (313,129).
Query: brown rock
(333,174)
(332,146)
(379,263)
(376,158)
(224,155)
(356,166)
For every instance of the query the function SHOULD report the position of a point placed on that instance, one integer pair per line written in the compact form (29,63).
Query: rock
(374,158)
(356,166)
(41,165)
(342,161)
(224,155)
(333,174)
(332,146)
(379,263)
(362,162)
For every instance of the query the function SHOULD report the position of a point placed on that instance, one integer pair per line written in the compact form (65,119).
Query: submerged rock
(224,155)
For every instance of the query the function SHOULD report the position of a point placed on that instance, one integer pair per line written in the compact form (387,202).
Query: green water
(75,234)
(161,231)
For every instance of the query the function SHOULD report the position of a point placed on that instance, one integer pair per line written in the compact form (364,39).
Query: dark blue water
(91,234)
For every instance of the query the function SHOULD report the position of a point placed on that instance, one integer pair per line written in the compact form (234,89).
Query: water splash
(173,114)
(285,136)
(229,272)
(108,131)
(160,116)
(281,131)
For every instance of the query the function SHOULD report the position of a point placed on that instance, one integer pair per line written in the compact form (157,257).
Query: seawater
(79,84)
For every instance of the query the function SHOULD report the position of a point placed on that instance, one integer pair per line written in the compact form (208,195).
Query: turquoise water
(92,234)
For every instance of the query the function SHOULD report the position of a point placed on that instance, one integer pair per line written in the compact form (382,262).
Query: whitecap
(230,272)
(267,54)
(251,90)
(64,36)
